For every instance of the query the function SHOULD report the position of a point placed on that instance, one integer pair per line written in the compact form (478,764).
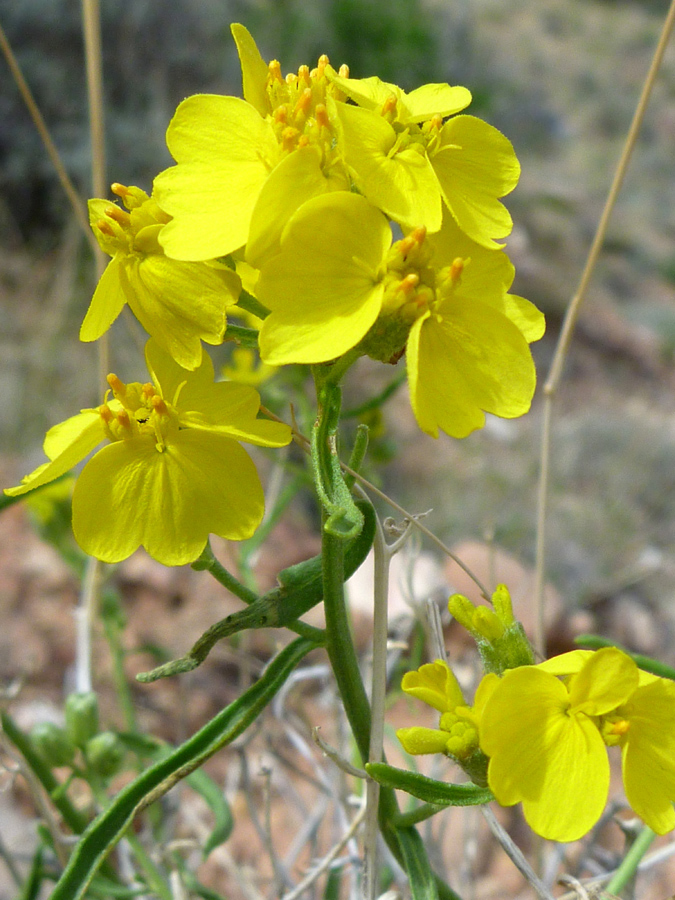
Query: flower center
(122,227)
(138,409)
(613,729)
(299,112)
(412,288)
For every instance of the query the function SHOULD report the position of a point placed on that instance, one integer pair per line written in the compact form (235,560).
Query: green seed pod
(81,717)
(104,753)
(52,743)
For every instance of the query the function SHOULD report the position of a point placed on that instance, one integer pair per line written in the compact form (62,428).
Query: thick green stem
(339,643)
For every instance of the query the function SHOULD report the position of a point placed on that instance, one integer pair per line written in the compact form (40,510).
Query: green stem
(631,861)
(339,643)
(113,632)
(208,562)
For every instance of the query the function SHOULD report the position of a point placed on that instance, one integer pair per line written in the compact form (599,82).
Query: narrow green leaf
(429,790)
(416,865)
(33,883)
(213,794)
(108,828)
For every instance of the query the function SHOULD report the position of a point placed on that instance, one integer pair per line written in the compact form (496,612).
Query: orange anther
(343,71)
(323,62)
(456,269)
(389,105)
(408,285)
(123,419)
(105,413)
(303,141)
(119,387)
(291,79)
(159,405)
(121,216)
(121,190)
(275,70)
(281,115)
(304,103)
(321,114)
(148,390)
(303,74)
(105,227)
(289,138)
(620,727)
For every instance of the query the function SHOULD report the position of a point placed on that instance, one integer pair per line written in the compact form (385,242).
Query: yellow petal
(556,764)
(607,679)
(180,304)
(224,150)
(66,445)
(224,408)
(418,740)
(131,495)
(434,100)
(465,360)
(106,304)
(402,185)
(566,663)
(475,166)
(435,684)
(296,179)
(649,754)
(323,288)
(253,69)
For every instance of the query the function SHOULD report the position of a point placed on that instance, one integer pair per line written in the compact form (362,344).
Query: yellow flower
(173,471)
(177,303)
(338,282)
(457,733)
(270,151)
(547,739)
(409,162)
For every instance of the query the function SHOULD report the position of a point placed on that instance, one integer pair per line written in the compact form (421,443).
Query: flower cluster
(172,470)
(308,178)
(544,731)
(360,220)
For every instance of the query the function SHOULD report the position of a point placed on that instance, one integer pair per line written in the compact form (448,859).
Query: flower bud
(81,717)
(104,753)
(52,743)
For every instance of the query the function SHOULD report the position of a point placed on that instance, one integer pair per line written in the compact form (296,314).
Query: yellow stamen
(105,413)
(159,405)
(456,270)
(123,419)
(289,138)
(281,115)
(343,71)
(389,106)
(121,216)
(148,390)
(620,727)
(304,103)
(119,388)
(321,114)
(303,74)
(408,285)
(275,70)
(105,227)
(121,190)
